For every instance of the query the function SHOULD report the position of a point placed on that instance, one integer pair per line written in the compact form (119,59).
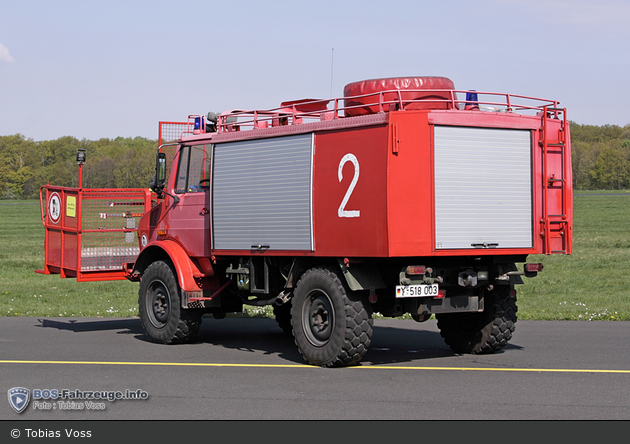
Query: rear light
(413,270)
(441,294)
(532,268)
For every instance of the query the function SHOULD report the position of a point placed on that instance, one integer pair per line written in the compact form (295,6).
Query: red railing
(312,110)
(171,132)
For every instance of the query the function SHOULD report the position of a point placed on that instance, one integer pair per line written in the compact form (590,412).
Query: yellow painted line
(372,367)
(172,364)
(497,369)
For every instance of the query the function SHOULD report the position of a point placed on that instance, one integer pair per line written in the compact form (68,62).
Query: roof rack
(314,110)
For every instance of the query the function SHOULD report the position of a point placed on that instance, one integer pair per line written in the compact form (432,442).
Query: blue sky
(114,68)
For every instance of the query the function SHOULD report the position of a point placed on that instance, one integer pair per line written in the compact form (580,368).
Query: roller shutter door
(262,194)
(483,188)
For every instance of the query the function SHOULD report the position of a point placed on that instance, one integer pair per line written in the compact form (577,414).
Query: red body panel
(191,278)
(190,224)
(365,233)
(410,185)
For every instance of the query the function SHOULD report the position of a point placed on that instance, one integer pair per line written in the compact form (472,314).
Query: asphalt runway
(248,369)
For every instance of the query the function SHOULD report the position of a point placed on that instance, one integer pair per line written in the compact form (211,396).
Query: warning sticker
(54,207)
(71,206)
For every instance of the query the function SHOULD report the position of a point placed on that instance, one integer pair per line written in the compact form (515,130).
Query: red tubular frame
(64,258)
(316,110)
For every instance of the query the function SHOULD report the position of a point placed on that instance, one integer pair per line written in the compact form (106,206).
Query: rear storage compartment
(483,188)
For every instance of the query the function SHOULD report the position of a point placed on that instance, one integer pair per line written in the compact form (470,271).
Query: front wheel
(485,332)
(161,314)
(331,327)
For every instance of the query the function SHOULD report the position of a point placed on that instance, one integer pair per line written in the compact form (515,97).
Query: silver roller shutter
(262,194)
(483,188)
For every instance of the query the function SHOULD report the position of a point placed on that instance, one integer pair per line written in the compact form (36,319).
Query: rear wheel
(159,302)
(331,327)
(485,332)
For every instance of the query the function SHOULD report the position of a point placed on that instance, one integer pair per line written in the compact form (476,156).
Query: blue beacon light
(472,100)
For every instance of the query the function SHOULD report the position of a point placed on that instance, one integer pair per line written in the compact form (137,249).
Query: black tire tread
(282,314)
(188,321)
(358,328)
(496,325)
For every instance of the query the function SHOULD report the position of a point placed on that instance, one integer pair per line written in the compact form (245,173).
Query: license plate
(417,291)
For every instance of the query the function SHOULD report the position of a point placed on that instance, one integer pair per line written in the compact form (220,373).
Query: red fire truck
(403,196)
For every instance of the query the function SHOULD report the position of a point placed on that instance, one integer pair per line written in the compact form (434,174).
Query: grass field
(591,284)
(594,282)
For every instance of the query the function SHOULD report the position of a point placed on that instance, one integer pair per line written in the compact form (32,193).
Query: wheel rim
(318,316)
(159,302)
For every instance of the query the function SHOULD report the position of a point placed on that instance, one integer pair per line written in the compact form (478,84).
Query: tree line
(600,157)
(111,163)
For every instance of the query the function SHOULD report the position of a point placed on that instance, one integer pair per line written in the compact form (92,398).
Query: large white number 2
(342,212)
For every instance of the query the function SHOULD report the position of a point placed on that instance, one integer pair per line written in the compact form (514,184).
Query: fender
(190,278)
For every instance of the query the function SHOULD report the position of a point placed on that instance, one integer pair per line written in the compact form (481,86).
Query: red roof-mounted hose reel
(408,91)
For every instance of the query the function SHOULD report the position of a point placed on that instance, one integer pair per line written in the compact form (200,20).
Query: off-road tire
(163,319)
(485,332)
(331,326)
(283,317)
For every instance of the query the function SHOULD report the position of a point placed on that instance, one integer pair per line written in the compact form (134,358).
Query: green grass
(594,282)
(581,192)
(591,284)
(26,293)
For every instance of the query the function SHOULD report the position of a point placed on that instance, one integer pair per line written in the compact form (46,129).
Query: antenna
(332,64)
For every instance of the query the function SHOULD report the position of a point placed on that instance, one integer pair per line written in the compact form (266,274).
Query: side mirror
(157,184)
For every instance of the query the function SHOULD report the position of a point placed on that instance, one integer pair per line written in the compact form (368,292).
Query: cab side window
(193,174)
(199,169)
(182,170)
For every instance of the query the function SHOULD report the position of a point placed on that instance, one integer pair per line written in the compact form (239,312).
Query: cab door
(189,219)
